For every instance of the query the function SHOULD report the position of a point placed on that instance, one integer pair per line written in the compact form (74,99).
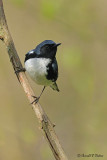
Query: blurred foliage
(28,135)
(79,110)
(72,58)
(19,3)
(49,8)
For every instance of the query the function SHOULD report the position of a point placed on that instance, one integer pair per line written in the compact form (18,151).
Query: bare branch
(46,125)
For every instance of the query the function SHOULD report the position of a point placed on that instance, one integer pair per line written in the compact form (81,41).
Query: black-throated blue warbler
(41,65)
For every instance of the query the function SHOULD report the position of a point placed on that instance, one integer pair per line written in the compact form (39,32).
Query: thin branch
(46,124)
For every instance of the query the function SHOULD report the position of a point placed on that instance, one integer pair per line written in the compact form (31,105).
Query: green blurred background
(80,109)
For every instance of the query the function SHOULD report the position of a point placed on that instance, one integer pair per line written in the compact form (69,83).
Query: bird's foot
(36,99)
(18,69)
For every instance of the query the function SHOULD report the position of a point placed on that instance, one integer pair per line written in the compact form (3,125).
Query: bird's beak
(56,45)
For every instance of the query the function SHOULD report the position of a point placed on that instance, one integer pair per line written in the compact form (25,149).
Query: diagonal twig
(46,124)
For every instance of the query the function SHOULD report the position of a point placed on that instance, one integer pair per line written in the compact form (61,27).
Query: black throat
(46,51)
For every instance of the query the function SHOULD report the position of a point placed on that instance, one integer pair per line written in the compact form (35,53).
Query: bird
(42,66)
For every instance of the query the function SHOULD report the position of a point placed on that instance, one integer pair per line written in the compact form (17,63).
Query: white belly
(36,67)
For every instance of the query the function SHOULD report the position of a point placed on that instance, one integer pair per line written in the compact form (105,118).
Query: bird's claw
(34,96)
(18,69)
(36,99)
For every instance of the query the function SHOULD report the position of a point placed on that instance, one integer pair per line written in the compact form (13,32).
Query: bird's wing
(54,75)
(55,68)
(52,71)
(30,54)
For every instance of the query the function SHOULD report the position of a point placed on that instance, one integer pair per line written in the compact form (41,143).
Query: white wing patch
(32,51)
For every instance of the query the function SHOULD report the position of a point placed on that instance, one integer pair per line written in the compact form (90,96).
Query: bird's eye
(47,47)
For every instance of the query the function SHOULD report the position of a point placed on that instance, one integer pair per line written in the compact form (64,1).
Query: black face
(43,51)
(48,51)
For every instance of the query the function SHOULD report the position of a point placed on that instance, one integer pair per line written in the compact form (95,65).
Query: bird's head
(47,49)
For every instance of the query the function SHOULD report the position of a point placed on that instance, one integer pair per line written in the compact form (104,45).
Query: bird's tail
(54,86)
